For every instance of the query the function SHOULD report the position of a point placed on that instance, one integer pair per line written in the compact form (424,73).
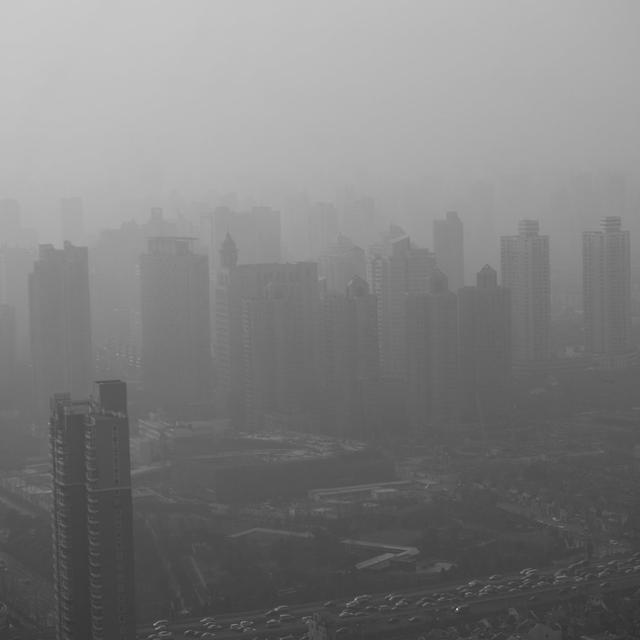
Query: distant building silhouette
(358,217)
(396,268)
(93,550)
(448,245)
(279,341)
(7,355)
(115,301)
(176,344)
(322,228)
(340,262)
(266,345)
(432,354)
(16,263)
(525,272)
(349,354)
(484,313)
(257,234)
(60,323)
(606,273)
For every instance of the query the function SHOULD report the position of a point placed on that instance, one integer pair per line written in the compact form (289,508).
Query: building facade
(176,331)
(8,358)
(93,549)
(340,263)
(606,273)
(60,324)
(448,245)
(432,354)
(266,337)
(525,272)
(397,268)
(484,317)
(349,355)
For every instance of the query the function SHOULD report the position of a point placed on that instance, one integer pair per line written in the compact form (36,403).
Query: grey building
(93,551)
(432,354)
(448,245)
(606,274)
(176,332)
(484,318)
(525,272)
(60,323)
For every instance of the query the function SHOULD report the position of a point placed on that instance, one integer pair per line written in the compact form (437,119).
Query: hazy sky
(138,96)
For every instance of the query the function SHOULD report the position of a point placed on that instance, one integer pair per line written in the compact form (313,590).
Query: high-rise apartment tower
(93,550)
(525,272)
(176,334)
(606,274)
(448,245)
(60,323)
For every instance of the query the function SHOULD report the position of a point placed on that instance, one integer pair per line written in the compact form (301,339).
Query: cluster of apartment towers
(347,344)
(405,335)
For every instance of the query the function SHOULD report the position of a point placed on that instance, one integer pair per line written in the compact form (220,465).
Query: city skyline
(320,320)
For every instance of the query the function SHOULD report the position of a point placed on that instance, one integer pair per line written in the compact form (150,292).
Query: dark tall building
(432,354)
(606,272)
(349,354)
(16,263)
(60,323)
(176,334)
(266,346)
(7,355)
(397,268)
(484,314)
(525,272)
(115,301)
(93,549)
(448,244)
(279,340)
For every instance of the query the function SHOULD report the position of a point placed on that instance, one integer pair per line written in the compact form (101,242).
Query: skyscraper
(93,549)
(525,272)
(279,339)
(7,355)
(397,268)
(60,323)
(432,354)
(257,233)
(484,313)
(266,336)
(340,263)
(349,354)
(176,344)
(323,228)
(448,245)
(606,274)
(16,263)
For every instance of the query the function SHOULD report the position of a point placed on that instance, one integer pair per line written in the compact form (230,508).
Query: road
(397,622)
